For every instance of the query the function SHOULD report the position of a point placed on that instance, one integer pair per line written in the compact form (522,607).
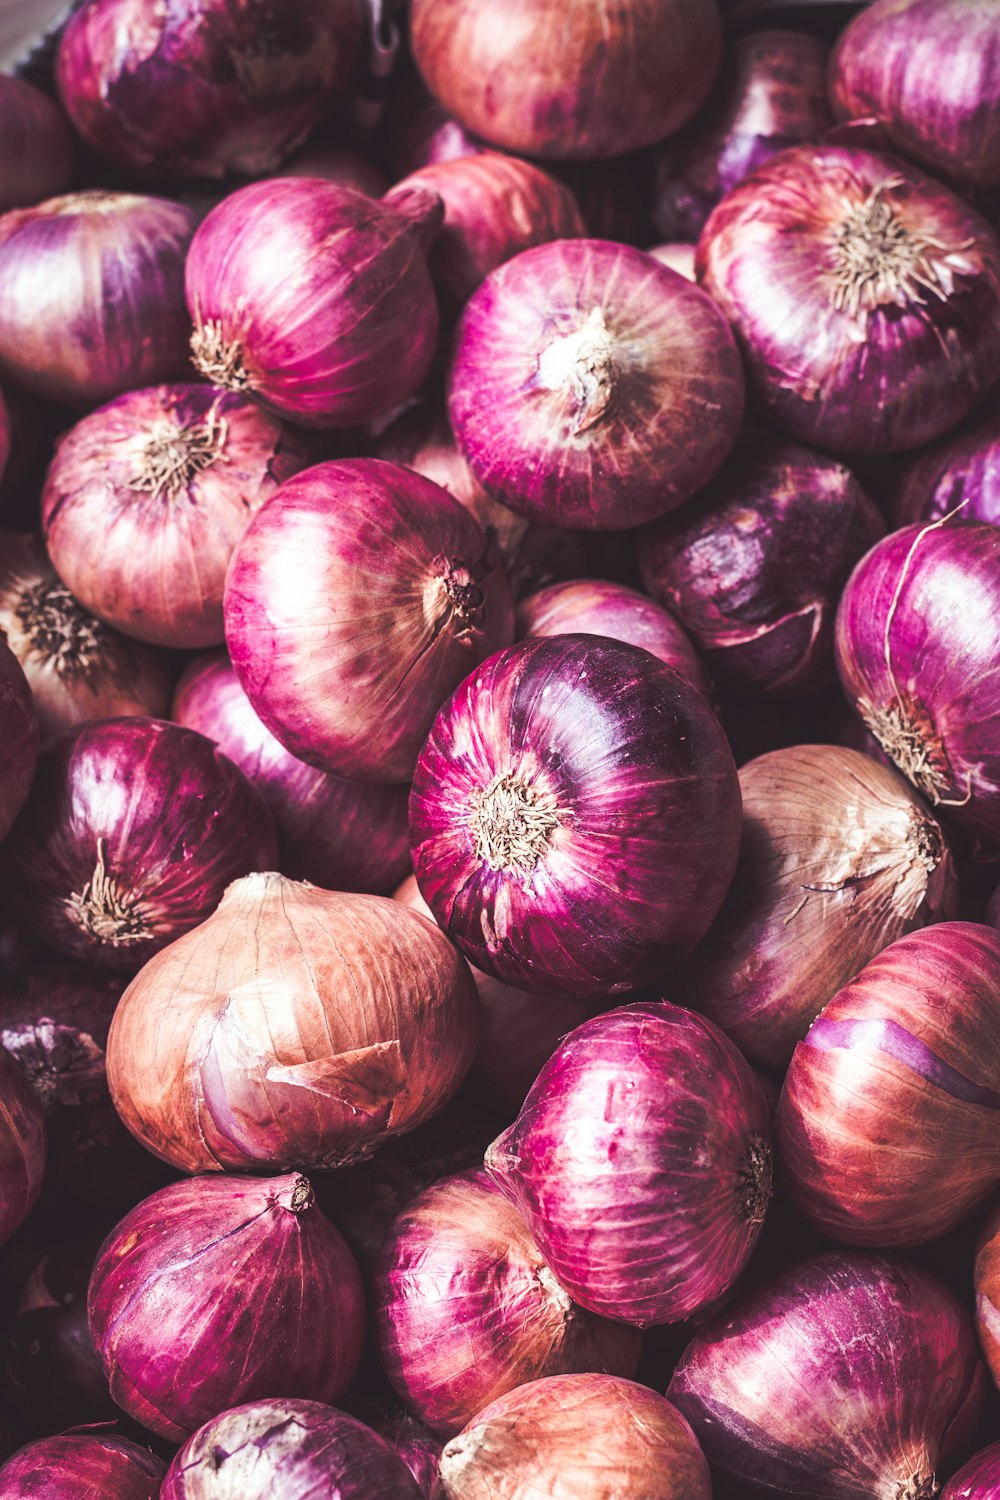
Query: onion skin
(959,473)
(847,1377)
(420,1452)
(357,600)
(77,1467)
(591,387)
(264,1059)
(570,1436)
(19,742)
(35,146)
(92,295)
(838,353)
(22,1147)
(838,859)
(54,1019)
(979,1479)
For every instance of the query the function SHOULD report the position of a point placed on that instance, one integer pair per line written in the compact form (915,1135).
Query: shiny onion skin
(201,89)
(465,1308)
(754,566)
(92,295)
(133,831)
(846,1377)
(575,816)
(343,835)
(22,1147)
(315,300)
(221,1290)
(358,599)
(591,387)
(573,1436)
(641,1163)
(146,499)
(979,1479)
(961,472)
(78,668)
(986,1280)
(838,858)
(82,1467)
(548,79)
(35,146)
(19,741)
(865,296)
(887,1122)
(345,1021)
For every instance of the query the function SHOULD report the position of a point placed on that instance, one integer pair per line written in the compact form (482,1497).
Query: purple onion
(35,146)
(960,473)
(979,1479)
(22,1147)
(418,1448)
(80,1467)
(19,741)
(54,1019)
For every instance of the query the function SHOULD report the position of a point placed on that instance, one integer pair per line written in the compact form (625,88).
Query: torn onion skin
(75,1465)
(979,1479)
(19,741)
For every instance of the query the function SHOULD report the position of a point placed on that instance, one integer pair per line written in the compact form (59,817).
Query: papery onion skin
(641,1163)
(838,858)
(92,295)
(22,1147)
(591,387)
(575,816)
(203,89)
(846,1377)
(348,1021)
(133,831)
(569,1436)
(979,1479)
(960,473)
(19,741)
(358,599)
(865,297)
(314,299)
(35,146)
(76,1467)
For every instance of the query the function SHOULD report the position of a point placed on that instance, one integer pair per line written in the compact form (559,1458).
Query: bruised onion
(79,1466)
(979,1479)
(19,741)
(591,387)
(986,1279)
(847,1376)
(35,146)
(959,473)
(22,1147)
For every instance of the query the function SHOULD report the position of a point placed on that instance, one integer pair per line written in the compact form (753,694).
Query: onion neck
(581,366)
(219,359)
(512,824)
(175,452)
(907,735)
(295,1194)
(107,912)
(58,628)
(754,1183)
(919,1486)
(877,259)
(422,209)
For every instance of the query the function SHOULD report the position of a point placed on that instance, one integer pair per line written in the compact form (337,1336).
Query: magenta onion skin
(19,741)
(645,1198)
(960,473)
(846,1377)
(755,565)
(203,89)
(92,295)
(865,297)
(358,599)
(82,1467)
(314,299)
(574,816)
(22,1147)
(35,145)
(979,1479)
(591,387)
(134,829)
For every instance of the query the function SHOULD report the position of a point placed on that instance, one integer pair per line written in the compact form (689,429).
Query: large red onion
(986,1279)
(866,297)
(133,831)
(847,1377)
(961,473)
(35,145)
(19,740)
(593,388)
(92,295)
(22,1147)
(575,816)
(78,1467)
(979,1479)
(358,599)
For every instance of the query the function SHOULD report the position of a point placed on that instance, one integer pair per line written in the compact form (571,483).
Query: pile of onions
(755,565)
(358,599)
(19,741)
(132,832)
(593,388)
(986,1280)
(641,1163)
(866,297)
(838,859)
(961,472)
(573,82)
(979,1479)
(313,299)
(204,89)
(22,1147)
(35,145)
(80,1465)
(575,816)
(345,1021)
(847,1375)
(92,295)
(147,498)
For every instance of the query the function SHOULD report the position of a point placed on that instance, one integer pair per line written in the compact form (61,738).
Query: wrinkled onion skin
(986,1279)
(979,1479)
(959,473)
(22,1147)
(19,741)
(35,146)
(76,1467)
(845,1377)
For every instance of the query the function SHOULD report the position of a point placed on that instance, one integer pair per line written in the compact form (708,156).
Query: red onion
(357,600)
(419,1450)
(961,471)
(986,1279)
(865,296)
(315,300)
(54,1019)
(575,1437)
(133,831)
(641,1163)
(846,1376)
(575,816)
(35,145)
(19,741)
(979,1479)
(77,1467)
(419,132)
(91,295)
(22,1147)
(201,89)
(677,257)
(549,81)
(347,1021)
(593,388)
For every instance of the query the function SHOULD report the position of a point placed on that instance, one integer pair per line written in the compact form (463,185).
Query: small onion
(133,830)
(961,473)
(593,388)
(347,1020)
(575,1437)
(22,1147)
(979,1479)
(19,740)
(641,1163)
(35,146)
(986,1279)
(865,296)
(419,1449)
(92,295)
(82,1468)
(846,1377)
(315,300)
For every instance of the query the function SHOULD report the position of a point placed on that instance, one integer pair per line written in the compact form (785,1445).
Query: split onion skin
(19,743)
(80,1467)
(35,145)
